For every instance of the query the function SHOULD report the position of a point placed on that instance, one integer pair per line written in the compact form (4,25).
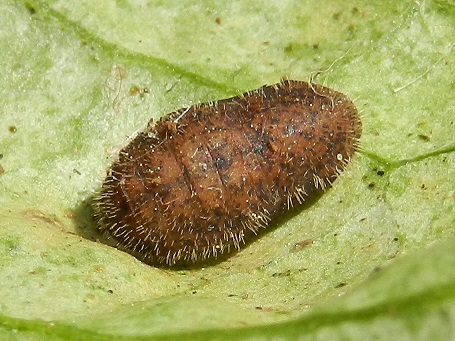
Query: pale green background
(380,262)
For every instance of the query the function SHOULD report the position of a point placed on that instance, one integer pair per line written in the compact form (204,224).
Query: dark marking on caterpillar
(205,179)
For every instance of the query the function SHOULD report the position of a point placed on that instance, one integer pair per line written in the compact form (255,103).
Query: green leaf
(372,258)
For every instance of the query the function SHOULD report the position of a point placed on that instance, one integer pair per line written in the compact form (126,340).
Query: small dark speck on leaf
(282,274)
(301,245)
(424,138)
(376,269)
(336,15)
(30,9)
(288,48)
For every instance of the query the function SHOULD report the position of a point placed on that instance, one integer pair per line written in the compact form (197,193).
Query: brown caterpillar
(205,178)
